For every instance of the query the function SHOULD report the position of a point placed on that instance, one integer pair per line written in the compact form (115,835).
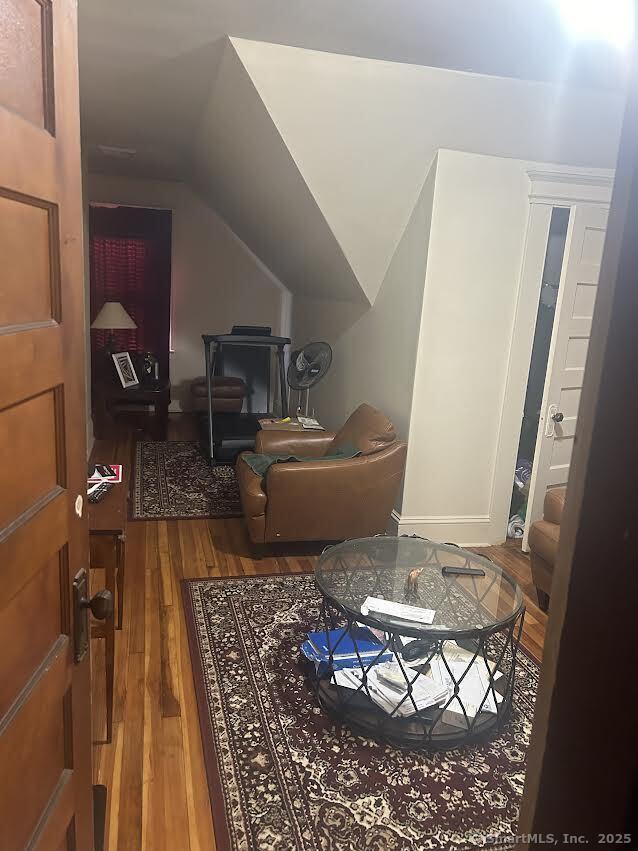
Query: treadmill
(224,435)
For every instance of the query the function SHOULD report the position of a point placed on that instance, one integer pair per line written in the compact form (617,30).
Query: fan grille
(308,365)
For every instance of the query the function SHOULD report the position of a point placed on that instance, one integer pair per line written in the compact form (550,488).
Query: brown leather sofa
(543,544)
(324,500)
(228,394)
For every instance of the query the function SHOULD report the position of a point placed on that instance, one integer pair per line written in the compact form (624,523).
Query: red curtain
(130,262)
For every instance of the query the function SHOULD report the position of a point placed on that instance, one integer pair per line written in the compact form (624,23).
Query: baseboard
(467,531)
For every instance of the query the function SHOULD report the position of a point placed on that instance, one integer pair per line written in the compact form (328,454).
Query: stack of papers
(388,687)
(472,690)
(310,423)
(397,611)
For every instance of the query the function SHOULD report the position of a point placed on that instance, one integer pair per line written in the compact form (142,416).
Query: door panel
(45,741)
(37,740)
(36,352)
(567,355)
(26,640)
(29,468)
(26,42)
(31,279)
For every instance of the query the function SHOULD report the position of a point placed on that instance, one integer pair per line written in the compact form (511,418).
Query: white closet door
(567,355)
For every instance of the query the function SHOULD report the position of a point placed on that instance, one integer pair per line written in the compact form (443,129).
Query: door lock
(101,606)
(558,417)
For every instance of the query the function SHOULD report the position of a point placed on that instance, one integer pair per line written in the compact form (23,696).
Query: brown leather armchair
(324,500)
(543,544)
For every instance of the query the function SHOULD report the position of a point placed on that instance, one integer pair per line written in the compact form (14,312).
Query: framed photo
(125,369)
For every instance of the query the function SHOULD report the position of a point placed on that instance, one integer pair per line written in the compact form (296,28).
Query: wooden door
(567,355)
(45,737)
(582,766)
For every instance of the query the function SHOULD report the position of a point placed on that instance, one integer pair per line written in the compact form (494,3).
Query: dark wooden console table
(108,394)
(107,523)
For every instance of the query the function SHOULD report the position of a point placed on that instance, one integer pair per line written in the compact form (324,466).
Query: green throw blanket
(260,464)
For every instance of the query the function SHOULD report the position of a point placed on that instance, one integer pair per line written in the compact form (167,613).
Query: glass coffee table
(438,674)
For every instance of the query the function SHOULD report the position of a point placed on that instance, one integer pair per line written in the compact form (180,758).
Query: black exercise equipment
(226,435)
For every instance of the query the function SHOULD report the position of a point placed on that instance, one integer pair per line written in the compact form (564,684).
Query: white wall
(435,350)
(475,251)
(374,351)
(216,280)
(461,460)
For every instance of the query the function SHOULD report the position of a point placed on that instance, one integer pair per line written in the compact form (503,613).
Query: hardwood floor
(154,769)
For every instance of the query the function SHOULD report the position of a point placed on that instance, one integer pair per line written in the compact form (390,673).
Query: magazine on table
(105,473)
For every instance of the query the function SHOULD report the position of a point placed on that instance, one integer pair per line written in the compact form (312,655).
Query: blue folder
(344,644)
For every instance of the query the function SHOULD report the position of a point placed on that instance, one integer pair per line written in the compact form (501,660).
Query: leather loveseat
(327,500)
(543,544)
(228,394)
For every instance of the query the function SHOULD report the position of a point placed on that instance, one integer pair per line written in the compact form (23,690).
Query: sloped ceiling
(364,132)
(316,153)
(153,109)
(243,166)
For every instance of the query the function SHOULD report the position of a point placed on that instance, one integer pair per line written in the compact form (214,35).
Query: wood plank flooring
(154,769)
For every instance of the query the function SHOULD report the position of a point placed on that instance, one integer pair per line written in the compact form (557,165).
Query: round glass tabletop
(363,576)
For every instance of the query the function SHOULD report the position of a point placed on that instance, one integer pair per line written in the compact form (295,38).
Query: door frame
(549,188)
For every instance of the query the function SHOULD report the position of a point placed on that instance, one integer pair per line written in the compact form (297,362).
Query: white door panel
(567,355)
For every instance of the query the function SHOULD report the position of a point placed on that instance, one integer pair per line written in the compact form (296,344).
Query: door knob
(558,417)
(100,604)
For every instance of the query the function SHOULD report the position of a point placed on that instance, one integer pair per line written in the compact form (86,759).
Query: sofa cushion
(367,429)
(224,387)
(543,539)
(554,505)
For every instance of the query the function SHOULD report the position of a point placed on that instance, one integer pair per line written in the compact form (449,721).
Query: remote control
(462,571)
(99,491)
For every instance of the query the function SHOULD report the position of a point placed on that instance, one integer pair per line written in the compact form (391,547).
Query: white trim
(466,530)
(570,187)
(285,314)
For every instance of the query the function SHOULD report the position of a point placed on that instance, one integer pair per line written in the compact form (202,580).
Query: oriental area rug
(283,776)
(173,480)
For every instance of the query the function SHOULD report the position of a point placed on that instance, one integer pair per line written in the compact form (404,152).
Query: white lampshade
(112,316)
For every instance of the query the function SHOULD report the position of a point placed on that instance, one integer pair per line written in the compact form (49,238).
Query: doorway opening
(130,273)
(545,316)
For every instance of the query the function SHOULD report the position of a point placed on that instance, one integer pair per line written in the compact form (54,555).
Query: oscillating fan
(307,367)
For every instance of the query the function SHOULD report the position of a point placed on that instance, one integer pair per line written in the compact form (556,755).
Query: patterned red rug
(172,480)
(284,777)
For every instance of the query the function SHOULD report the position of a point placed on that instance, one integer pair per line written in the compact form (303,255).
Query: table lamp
(112,317)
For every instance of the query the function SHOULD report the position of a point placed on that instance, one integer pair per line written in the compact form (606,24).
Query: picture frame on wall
(125,369)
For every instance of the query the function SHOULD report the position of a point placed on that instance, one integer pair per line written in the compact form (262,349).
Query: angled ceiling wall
(243,166)
(363,133)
